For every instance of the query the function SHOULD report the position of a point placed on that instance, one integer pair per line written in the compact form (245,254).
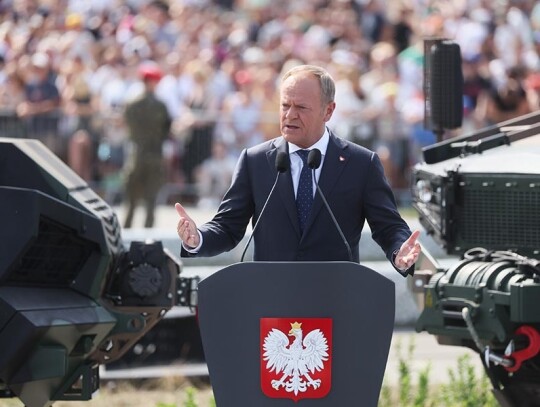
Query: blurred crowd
(69,68)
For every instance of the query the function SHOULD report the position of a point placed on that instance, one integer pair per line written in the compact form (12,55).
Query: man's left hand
(409,252)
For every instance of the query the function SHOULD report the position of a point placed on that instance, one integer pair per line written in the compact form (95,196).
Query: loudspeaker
(443,85)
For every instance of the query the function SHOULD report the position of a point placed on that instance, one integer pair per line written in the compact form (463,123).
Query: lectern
(280,333)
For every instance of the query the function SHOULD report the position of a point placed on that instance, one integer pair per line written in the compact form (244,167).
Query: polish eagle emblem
(296,366)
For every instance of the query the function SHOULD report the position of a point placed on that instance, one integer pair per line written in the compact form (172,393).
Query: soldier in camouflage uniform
(149,124)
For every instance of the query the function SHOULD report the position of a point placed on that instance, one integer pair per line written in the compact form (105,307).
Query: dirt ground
(165,392)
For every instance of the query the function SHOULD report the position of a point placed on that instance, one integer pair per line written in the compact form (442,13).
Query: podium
(264,324)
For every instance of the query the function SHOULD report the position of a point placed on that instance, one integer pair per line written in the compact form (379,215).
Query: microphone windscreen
(282,161)
(314,159)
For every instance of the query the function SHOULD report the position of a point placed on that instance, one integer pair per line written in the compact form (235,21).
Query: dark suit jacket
(353,182)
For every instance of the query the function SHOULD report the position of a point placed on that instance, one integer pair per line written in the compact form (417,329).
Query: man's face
(302,114)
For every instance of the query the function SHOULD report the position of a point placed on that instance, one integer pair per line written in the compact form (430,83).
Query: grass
(464,388)
(164,392)
(408,212)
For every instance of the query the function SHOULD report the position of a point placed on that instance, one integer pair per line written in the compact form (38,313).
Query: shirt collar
(322,144)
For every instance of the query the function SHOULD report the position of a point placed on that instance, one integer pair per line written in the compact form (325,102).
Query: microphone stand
(282,165)
(333,218)
(314,162)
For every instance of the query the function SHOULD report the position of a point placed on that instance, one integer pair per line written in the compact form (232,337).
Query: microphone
(314,161)
(282,165)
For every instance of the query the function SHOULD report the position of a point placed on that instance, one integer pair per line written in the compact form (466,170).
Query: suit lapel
(285,184)
(335,160)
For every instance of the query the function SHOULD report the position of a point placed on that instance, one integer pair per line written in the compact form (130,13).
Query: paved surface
(426,351)
(370,253)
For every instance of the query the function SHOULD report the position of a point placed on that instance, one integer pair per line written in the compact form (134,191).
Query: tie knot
(303,155)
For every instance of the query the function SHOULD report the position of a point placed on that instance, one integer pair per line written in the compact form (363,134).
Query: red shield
(296,357)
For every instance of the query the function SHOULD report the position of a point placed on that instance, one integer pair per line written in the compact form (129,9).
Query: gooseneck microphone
(282,165)
(314,161)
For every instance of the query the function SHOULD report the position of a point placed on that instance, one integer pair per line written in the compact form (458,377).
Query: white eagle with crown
(298,361)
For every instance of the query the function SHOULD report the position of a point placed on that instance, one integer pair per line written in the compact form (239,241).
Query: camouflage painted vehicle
(71,296)
(478,196)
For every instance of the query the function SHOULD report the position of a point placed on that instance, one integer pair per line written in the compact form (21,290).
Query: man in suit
(350,176)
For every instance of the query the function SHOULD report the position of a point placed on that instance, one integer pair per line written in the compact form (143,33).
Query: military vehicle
(72,297)
(478,196)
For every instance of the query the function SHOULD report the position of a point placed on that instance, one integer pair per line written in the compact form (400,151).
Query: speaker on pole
(443,86)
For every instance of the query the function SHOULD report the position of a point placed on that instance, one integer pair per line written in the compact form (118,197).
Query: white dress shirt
(296,161)
(296,168)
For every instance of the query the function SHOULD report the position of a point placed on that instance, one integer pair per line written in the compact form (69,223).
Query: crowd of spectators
(69,67)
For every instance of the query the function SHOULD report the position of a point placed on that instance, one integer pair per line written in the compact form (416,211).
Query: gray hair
(328,87)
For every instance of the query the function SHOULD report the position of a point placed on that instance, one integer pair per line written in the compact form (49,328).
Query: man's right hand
(186,228)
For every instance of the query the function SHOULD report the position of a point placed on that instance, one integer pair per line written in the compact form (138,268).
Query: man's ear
(330,107)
